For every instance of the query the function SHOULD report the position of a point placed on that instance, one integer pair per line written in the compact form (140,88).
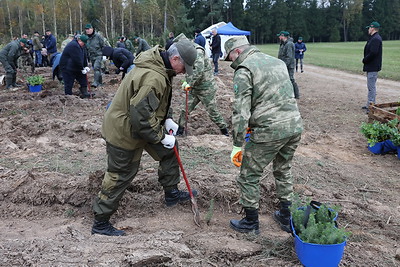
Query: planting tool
(195,208)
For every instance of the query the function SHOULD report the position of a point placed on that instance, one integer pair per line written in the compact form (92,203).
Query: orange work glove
(237,156)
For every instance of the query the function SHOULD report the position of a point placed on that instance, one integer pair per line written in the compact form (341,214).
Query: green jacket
(264,99)
(142,46)
(141,104)
(94,45)
(202,77)
(129,46)
(11,52)
(286,53)
(37,45)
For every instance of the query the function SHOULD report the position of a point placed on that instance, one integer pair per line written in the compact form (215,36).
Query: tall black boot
(14,81)
(282,216)
(105,228)
(84,93)
(9,81)
(248,224)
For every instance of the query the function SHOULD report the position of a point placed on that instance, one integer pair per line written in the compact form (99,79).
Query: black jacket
(373,54)
(216,44)
(121,58)
(73,58)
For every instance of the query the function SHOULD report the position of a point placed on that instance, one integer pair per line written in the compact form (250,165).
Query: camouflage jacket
(264,99)
(202,77)
(37,45)
(141,104)
(95,45)
(286,53)
(142,46)
(129,46)
(11,52)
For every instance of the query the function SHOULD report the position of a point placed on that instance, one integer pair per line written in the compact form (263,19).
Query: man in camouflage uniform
(9,58)
(264,102)
(94,46)
(142,45)
(138,119)
(202,89)
(287,55)
(37,49)
(67,41)
(129,45)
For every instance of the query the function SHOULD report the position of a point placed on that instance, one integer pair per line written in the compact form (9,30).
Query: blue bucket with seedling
(377,148)
(35,88)
(314,254)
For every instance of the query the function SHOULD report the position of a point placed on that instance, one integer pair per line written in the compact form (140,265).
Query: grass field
(346,56)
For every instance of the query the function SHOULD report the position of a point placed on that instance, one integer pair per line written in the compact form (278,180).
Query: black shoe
(248,224)
(302,71)
(180,131)
(282,216)
(87,95)
(364,107)
(106,228)
(16,85)
(176,196)
(225,132)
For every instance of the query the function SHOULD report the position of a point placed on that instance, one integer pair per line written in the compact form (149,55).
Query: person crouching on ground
(264,103)
(139,119)
(73,66)
(122,58)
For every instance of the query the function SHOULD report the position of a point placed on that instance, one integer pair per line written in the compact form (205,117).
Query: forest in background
(314,20)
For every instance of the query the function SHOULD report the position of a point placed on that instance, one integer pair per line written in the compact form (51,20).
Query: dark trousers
(69,78)
(121,170)
(215,58)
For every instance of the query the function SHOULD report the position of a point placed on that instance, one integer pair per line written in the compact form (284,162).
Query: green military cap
(188,53)
(284,33)
(301,38)
(373,24)
(234,42)
(84,38)
(88,26)
(22,40)
(181,36)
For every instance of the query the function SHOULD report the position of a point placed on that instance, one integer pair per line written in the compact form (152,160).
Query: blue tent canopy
(229,29)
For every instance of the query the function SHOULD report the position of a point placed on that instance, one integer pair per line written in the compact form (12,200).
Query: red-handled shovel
(195,208)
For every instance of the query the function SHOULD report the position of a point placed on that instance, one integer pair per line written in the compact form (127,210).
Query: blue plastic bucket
(317,255)
(377,148)
(388,147)
(398,152)
(35,88)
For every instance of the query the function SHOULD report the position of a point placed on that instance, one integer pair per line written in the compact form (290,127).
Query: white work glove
(171,125)
(87,69)
(168,141)
(84,71)
(121,68)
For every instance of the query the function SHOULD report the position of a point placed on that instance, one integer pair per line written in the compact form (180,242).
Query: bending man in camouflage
(138,119)
(265,103)
(9,58)
(287,54)
(202,89)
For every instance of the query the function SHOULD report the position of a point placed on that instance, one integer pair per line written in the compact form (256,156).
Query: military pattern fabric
(287,53)
(203,90)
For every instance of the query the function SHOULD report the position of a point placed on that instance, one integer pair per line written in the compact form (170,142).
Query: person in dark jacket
(73,65)
(120,43)
(372,60)
(299,49)
(51,45)
(199,38)
(170,40)
(286,54)
(9,57)
(215,49)
(122,58)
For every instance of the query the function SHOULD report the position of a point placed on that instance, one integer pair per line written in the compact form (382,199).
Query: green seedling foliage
(35,80)
(378,132)
(210,211)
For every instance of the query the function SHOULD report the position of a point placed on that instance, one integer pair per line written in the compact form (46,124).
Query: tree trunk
(112,21)
(165,16)
(106,22)
(54,18)
(20,21)
(9,20)
(80,15)
(43,22)
(130,20)
(151,26)
(122,21)
(70,17)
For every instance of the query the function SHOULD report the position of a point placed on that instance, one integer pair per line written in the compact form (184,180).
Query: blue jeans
(38,57)
(371,84)
(215,58)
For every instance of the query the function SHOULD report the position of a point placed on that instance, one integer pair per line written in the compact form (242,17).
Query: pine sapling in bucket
(35,83)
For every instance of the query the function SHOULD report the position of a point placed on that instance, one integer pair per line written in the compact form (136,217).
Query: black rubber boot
(248,224)
(282,216)
(84,93)
(105,228)
(14,81)
(225,131)
(9,82)
(175,196)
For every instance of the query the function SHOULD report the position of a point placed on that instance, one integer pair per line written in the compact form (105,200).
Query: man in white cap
(265,115)
(139,118)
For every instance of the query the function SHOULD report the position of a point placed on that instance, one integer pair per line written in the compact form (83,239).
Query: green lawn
(346,56)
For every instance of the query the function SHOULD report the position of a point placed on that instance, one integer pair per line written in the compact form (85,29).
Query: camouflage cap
(234,42)
(188,53)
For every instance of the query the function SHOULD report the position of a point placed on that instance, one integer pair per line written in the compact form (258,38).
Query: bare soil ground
(52,160)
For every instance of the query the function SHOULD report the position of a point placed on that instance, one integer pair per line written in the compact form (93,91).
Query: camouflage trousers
(96,64)
(256,157)
(121,170)
(207,97)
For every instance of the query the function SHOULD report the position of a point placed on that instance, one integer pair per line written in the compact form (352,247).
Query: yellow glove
(237,156)
(186,86)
